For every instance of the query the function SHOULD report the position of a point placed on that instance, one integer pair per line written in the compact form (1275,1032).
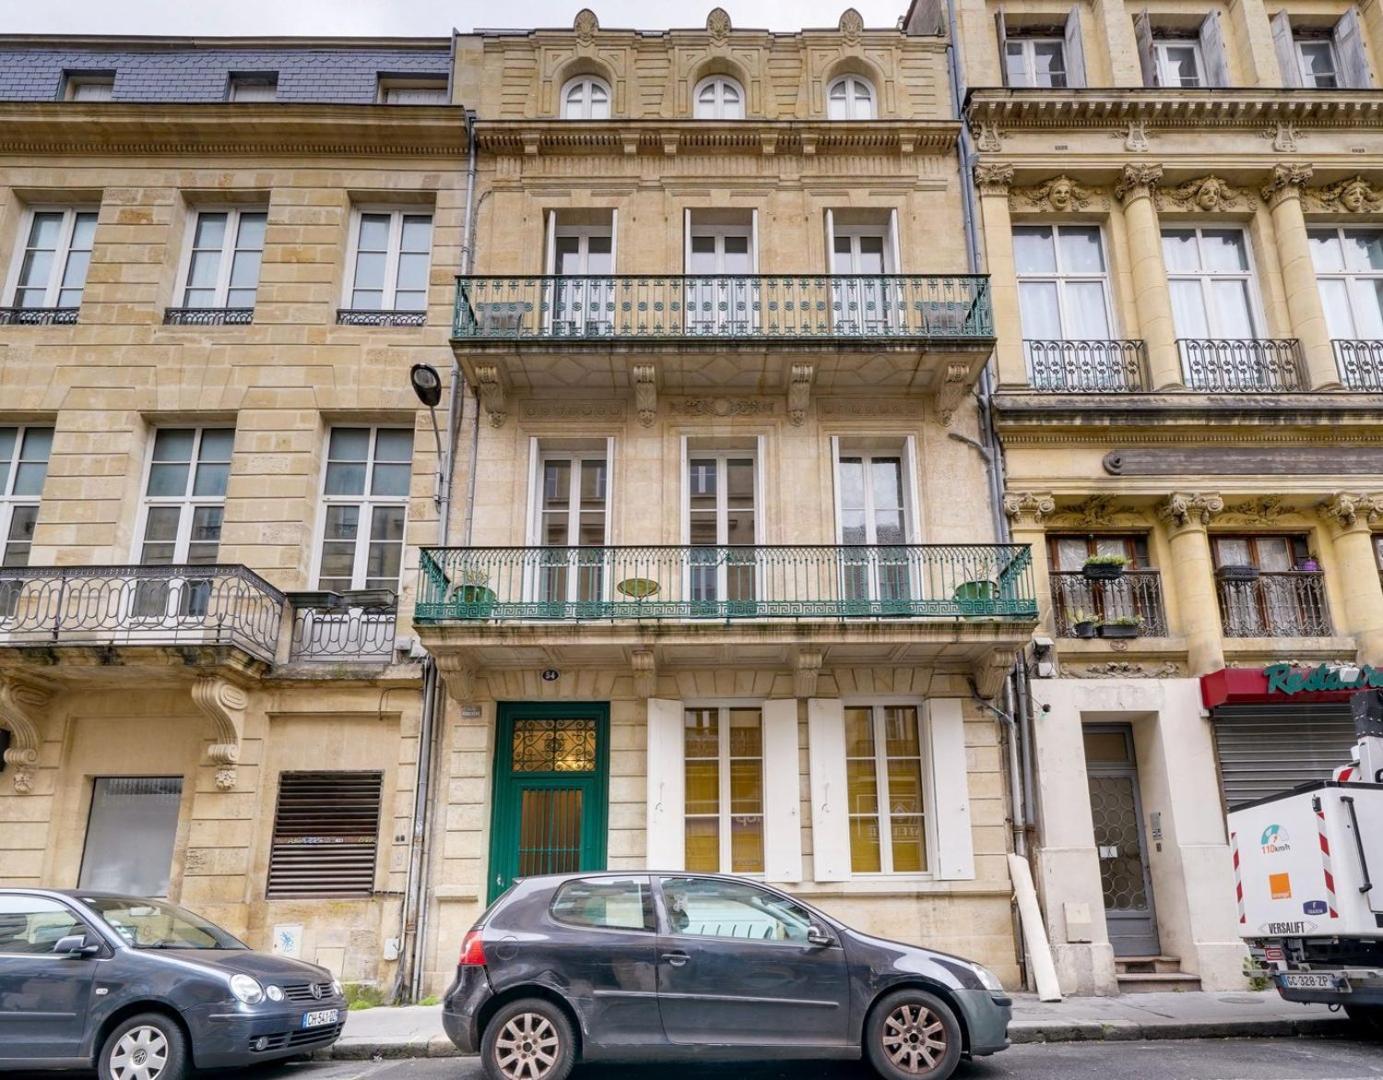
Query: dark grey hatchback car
(143,990)
(662,966)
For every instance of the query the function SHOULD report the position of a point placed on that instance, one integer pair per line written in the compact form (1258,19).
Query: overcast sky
(409,17)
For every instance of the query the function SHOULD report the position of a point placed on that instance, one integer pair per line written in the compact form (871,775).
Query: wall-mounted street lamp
(427,384)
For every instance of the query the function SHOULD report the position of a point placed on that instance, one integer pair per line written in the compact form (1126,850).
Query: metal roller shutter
(326,833)
(1267,749)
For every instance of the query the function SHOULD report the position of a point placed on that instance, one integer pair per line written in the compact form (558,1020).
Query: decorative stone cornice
(1029,507)
(1124,669)
(1137,181)
(1207,194)
(1352,196)
(1183,510)
(21,711)
(993,178)
(1060,194)
(1350,511)
(1286,183)
(1265,510)
(1096,511)
(223,703)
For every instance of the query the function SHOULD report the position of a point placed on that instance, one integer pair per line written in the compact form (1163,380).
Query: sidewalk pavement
(416,1030)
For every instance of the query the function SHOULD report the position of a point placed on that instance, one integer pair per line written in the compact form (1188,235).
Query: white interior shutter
(665,843)
(614,242)
(830,796)
(1075,50)
(1001,33)
(686,241)
(830,242)
(1349,47)
(1213,50)
(950,815)
(754,245)
(550,256)
(1286,49)
(782,792)
(1142,35)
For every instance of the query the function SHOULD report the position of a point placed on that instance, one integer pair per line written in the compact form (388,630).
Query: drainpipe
(417,896)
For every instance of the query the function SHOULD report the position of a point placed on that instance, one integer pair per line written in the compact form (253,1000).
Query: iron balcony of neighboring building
(726,605)
(104,617)
(343,628)
(1360,364)
(1135,595)
(1066,366)
(1286,603)
(887,332)
(1242,365)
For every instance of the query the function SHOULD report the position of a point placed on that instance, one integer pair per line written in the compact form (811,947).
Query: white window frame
(859,94)
(1307,78)
(1027,45)
(9,501)
(540,457)
(574,301)
(247,86)
(723,814)
(1164,71)
(726,295)
(61,254)
(1061,277)
(394,90)
(186,501)
(72,85)
(924,744)
(366,500)
(721,456)
(1349,277)
(228,250)
(1205,277)
(906,452)
(389,299)
(585,83)
(851,286)
(719,109)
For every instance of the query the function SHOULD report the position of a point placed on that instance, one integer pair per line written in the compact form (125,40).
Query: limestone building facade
(1181,223)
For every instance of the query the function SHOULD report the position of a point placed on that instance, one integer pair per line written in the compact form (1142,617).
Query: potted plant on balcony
(1237,573)
(474,592)
(1310,564)
(1084,624)
(1104,568)
(1125,626)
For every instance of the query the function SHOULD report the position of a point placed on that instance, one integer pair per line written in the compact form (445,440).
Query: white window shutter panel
(1142,35)
(830,797)
(1286,49)
(1075,50)
(1349,47)
(665,843)
(782,792)
(1213,50)
(950,814)
(1001,33)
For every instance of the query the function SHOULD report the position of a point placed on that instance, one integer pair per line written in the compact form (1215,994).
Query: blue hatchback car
(143,990)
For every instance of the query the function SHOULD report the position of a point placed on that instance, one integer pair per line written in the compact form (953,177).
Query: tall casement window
(1179,62)
(719,98)
(223,259)
(365,506)
(724,762)
(23,467)
(1177,55)
(183,506)
(1063,282)
(721,257)
(581,256)
(389,258)
(883,747)
(1320,52)
(1349,269)
(1035,61)
(850,97)
(722,488)
(874,511)
(1136,594)
(863,248)
(51,264)
(1284,597)
(586,97)
(1211,282)
(572,513)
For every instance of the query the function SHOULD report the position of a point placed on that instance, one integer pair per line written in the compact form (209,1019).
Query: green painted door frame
(552,791)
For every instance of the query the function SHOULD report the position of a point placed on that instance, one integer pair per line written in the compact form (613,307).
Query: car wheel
(912,1034)
(529,1039)
(146,1047)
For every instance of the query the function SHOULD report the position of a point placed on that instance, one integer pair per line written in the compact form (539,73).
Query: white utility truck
(1307,867)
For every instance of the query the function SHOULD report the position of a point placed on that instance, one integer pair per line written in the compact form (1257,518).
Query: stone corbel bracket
(223,703)
(806,670)
(799,392)
(1350,510)
(954,386)
(645,672)
(989,674)
(460,678)
(493,396)
(21,712)
(646,393)
(1183,510)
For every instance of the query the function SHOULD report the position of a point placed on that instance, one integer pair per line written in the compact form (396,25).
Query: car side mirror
(818,937)
(75,945)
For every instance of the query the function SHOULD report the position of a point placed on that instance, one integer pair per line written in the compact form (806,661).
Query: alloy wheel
(914,1039)
(527,1047)
(141,1054)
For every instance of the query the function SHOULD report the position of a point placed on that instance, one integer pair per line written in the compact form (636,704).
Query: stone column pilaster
(1149,273)
(1283,196)
(1027,510)
(993,182)
(1192,572)
(1351,517)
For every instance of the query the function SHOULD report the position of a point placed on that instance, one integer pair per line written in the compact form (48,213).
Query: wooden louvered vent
(326,834)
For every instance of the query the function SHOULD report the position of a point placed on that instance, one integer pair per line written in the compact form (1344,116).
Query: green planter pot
(1109,630)
(480,597)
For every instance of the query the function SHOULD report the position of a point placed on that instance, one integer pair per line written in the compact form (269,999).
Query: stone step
(1147,965)
(1157,982)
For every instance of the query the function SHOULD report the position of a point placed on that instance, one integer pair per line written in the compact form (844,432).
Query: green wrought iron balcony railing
(902,307)
(919,581)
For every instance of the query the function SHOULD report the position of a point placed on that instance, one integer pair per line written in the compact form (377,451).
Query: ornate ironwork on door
(1115,815)
(553,745)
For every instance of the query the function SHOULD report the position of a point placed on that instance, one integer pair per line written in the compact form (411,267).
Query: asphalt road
(1198,1059)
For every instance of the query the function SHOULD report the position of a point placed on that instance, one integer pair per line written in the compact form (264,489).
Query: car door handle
(676,959)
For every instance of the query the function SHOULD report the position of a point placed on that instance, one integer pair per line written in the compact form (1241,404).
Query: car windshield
(149,924)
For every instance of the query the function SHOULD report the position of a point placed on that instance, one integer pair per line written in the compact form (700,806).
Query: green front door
(551,776)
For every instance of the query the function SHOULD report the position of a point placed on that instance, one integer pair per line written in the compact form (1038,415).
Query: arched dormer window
(719,97)
(586,97)
(850,97)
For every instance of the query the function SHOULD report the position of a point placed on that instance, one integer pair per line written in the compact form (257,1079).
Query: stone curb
(1021,1031)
